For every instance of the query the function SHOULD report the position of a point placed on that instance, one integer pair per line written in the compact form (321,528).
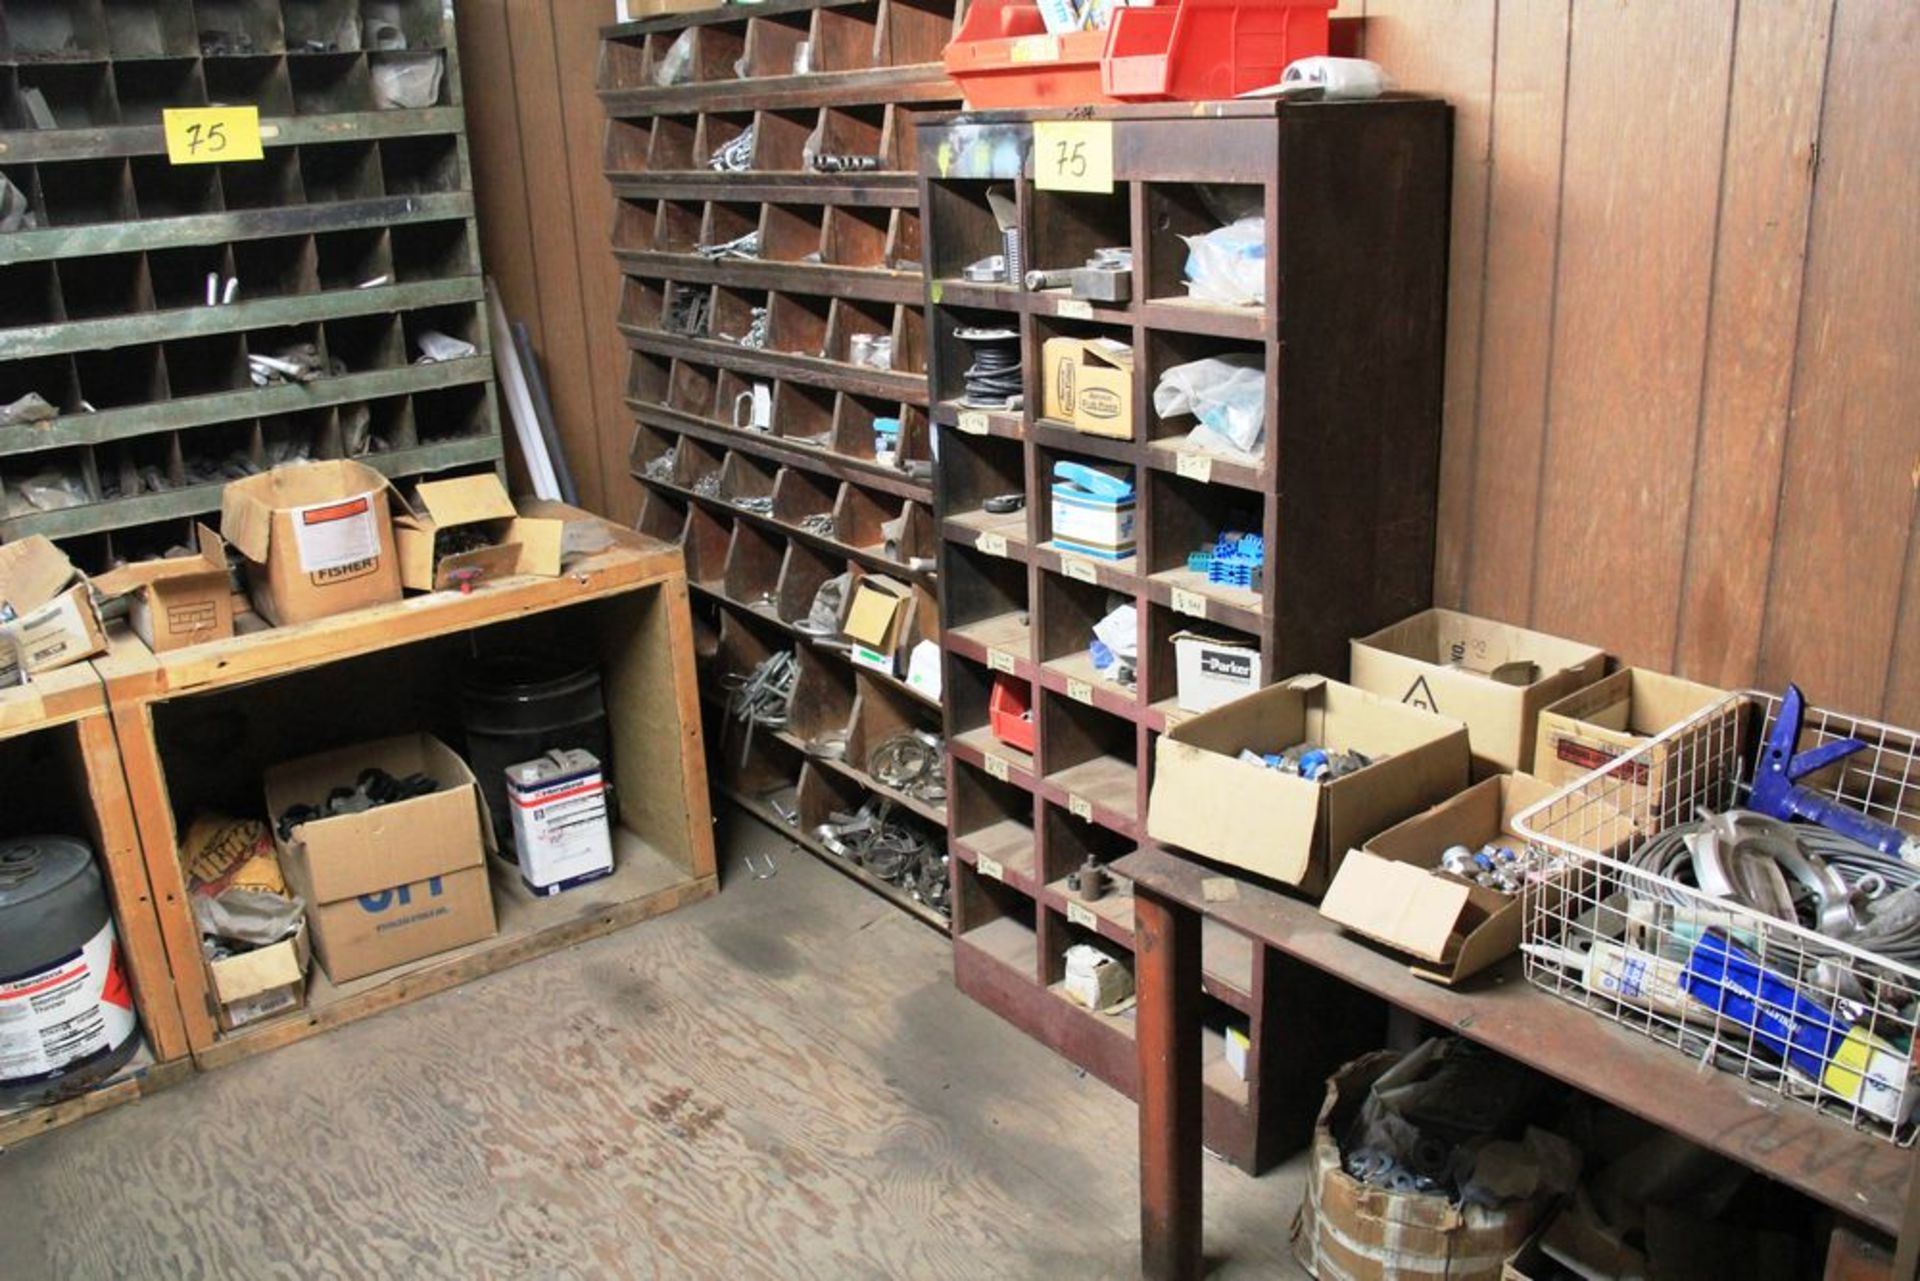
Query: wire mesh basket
(1784,954)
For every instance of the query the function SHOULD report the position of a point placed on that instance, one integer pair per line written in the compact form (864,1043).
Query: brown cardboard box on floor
(1476,671)
(317,538)
(53,623)
(177,601)
(1611,717)
(397,882)
(1392,890)
(1205,799)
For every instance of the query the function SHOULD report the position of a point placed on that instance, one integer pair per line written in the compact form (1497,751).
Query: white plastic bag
(408,83)
(1228,394)
(1228,265)
(677,66)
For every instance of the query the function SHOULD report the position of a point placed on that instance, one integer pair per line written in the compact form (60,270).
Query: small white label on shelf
(990,868)
(1192,604)
(1079,570)
(1082,915)
(1192,466)
(992,544)
(1076,309)
(1080,692)
(1000,660)
(974,422)
(1081,808)
(997,767)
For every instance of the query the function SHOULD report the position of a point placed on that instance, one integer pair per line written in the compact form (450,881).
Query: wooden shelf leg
(1167,982)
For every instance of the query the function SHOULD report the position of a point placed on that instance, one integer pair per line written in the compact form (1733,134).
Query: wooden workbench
(1862,1177)
(387,669)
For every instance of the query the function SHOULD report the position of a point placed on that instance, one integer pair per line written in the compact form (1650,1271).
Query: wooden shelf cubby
(834,273)
(1343,496)
(354,233)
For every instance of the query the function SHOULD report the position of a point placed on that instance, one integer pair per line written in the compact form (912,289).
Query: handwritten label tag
(1082,915)
(1000,660)
(1195,467)
(1190,603)
(1081,808)
(212,135)
(990,867)
(1080,692)
(997,767)
(992,544)
(1035,49)
(1080,571)
(1076,309)
(974,422)
(1073,155)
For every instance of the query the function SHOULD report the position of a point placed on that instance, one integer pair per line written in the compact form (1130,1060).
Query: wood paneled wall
(1683,377)
(546,214)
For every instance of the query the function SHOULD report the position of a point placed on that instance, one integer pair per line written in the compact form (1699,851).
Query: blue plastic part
(1314,765)
(1726,978)
(1093,481)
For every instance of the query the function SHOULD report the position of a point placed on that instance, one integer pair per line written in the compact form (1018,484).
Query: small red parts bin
(1182,50)
(1197,50)
(1003,56)
(1009,712)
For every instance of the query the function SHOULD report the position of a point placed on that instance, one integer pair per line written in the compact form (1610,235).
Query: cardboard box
(179,601)
(876,620)
(259,984)
(317,539)
(463,502)
(1458,666)
(397,882)
(1352,1231)
(49,609)
(1392,890)
(552,535)
(1088,385)
(1210,672)
(1205,799)
(1092,525)
(1611,717)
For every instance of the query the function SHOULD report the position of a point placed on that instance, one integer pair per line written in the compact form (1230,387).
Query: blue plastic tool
(1095,482)
(1777,792)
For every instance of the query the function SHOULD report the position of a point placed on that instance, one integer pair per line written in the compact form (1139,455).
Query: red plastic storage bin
(1008,712)
(1197,50)
(1002,56)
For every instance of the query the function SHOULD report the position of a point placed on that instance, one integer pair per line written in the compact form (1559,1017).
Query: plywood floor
(781,1082)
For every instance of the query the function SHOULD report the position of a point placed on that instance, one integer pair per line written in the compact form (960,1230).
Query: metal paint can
(66,1009)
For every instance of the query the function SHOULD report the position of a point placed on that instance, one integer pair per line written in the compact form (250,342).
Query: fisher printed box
(317,538)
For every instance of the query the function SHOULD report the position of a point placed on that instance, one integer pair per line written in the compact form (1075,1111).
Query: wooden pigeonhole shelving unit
(767,516)
(1355,197)
(62,767)
(198,726)
(355,234)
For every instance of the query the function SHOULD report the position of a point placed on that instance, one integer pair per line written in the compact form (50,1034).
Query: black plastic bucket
(518,706)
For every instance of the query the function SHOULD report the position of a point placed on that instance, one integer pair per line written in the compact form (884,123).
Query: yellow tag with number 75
(1073,155)
(213,135)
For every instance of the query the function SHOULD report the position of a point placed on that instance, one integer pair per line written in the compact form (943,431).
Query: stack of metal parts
(823,617)
(1493,866)
(756,335)
(764,696)
(735,156)
(1315,764)
(761,505)
(708,485)
(897,850)
(659,467)
(820,524)
(1106,278)
(913,762)
(994,378)
(688,311)
(299,363)
(747,246)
